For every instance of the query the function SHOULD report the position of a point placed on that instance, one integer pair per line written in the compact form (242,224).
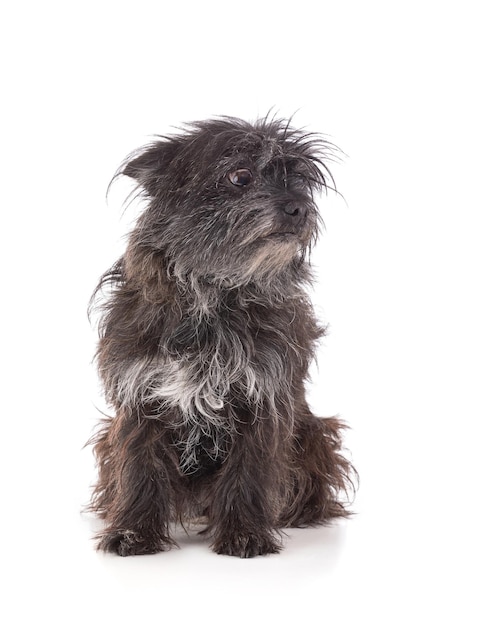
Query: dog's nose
(297,213)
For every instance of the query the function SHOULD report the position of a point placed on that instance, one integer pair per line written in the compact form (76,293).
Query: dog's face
(229,201)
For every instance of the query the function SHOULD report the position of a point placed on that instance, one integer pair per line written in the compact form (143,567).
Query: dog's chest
(223,364)
(203,376)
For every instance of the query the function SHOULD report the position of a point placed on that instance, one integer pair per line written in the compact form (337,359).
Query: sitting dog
(206,336)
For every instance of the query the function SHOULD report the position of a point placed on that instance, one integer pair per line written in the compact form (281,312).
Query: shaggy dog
(206,337)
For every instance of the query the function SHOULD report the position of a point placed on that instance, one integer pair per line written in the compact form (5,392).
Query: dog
(206,336)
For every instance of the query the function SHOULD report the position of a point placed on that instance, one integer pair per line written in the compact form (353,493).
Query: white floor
(398,279)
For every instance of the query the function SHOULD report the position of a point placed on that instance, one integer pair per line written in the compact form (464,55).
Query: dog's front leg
(241,512)
(134,493)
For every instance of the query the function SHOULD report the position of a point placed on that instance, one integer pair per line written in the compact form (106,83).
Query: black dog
(205,342)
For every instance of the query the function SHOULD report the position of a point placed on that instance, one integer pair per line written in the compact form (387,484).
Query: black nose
(296,212)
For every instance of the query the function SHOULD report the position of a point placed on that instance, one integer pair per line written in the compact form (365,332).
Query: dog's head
(230,201)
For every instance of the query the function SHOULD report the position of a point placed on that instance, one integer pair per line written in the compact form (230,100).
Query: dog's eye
(240,178)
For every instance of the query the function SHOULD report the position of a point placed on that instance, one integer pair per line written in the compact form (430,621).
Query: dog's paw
(246,545)
(130,542)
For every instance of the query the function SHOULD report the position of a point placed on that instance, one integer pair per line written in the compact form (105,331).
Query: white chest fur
(199,387)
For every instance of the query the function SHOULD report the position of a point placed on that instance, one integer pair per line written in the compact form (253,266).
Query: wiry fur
(205,342)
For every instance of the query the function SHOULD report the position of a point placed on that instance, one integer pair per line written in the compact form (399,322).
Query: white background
(396,85)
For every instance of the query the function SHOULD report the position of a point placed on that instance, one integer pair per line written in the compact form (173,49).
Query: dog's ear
(148,165)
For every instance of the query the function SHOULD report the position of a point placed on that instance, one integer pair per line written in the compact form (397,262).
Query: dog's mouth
(281,234)
(276,235)
(300,237)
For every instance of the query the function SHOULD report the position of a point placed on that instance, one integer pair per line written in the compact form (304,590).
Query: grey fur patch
(199,388)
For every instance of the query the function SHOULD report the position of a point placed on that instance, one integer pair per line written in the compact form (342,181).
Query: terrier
(206,336)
